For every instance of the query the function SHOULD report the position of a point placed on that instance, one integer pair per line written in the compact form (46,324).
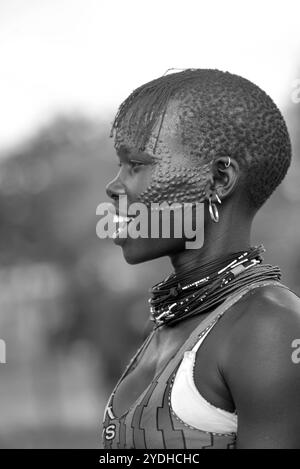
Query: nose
(115,188)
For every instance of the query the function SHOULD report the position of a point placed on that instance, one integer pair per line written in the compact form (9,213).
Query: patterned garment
(151,423)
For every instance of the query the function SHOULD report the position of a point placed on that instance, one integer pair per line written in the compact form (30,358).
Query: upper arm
(263,378)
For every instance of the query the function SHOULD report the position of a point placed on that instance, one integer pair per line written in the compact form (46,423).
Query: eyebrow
(124,152)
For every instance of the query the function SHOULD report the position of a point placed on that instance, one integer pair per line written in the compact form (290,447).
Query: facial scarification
(222,114)
(177,175)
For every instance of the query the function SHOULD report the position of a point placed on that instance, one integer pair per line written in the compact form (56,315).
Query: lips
(122,221)
(121,232)
(118,215)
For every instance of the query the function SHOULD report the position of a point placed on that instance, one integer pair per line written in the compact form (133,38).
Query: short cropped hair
(220,114)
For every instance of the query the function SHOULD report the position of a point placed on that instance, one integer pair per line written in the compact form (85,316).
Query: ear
(225,175)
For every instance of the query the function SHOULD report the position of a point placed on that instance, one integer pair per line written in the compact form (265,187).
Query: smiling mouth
(122,222)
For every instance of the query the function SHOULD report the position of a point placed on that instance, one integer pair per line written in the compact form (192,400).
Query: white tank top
(188,404)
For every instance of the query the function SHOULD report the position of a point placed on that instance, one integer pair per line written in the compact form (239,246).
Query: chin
(136,251)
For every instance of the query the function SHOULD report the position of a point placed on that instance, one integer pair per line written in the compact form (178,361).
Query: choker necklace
(202,288)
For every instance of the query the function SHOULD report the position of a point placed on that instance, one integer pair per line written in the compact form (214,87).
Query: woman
(215,370)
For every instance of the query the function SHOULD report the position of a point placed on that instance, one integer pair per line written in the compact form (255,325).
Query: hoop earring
(228,162)
(213,211)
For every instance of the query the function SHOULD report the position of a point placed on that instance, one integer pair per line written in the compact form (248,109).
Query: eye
(136,164)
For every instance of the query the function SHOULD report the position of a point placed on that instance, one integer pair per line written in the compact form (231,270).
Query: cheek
(137,183)
(176,183)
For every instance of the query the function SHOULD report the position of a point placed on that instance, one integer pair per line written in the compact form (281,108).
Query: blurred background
(72,312)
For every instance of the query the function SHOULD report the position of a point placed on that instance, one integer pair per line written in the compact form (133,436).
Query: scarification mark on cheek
(177,173)
(176,183)
(175,177)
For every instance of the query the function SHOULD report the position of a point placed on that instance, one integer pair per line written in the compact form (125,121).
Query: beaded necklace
(199,289)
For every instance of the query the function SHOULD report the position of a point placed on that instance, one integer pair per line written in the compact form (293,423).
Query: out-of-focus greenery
(72,312)
(49,190)
(70,294)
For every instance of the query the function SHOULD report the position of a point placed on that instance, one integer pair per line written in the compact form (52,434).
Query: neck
(215,245)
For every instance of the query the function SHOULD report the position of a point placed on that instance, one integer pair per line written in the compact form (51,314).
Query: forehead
(164,138)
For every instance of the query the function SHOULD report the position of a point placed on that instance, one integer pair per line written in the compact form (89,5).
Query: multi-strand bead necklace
(200,289)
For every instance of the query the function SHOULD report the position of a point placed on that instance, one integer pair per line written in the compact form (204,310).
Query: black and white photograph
(150,227)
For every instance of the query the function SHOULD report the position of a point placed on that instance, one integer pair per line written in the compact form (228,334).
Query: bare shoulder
(261,371)
(260,346)
(268,314)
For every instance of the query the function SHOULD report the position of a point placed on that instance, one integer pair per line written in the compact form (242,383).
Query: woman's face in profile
(162,173)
